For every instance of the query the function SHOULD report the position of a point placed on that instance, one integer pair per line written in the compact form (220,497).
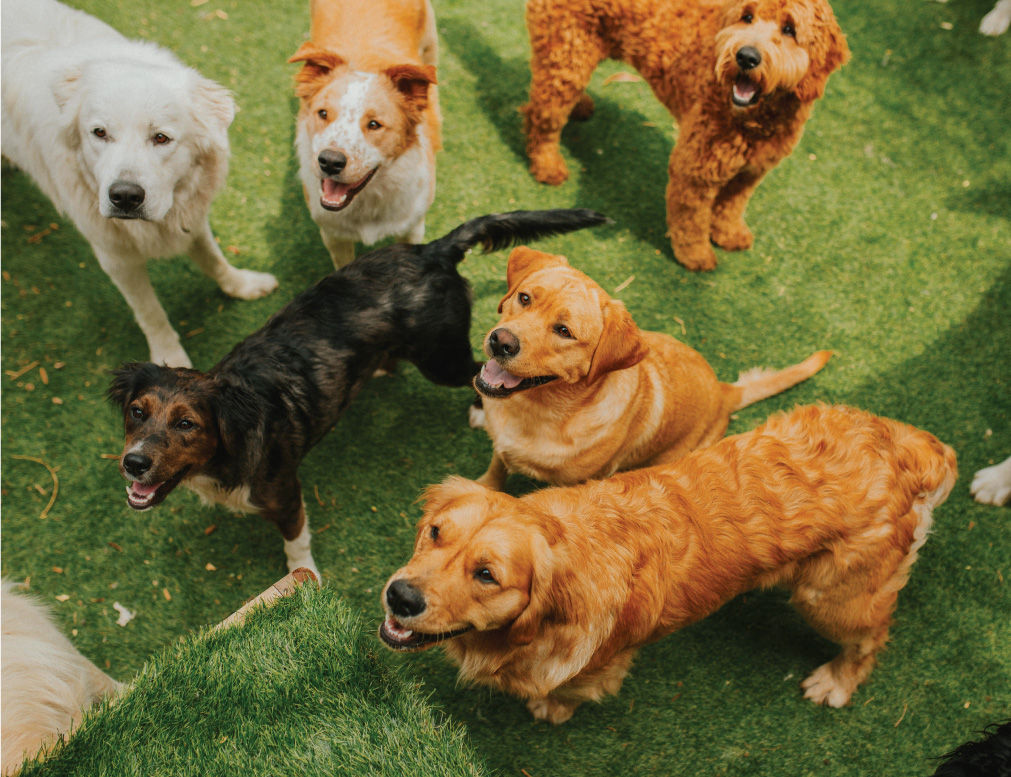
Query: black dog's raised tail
(502,230)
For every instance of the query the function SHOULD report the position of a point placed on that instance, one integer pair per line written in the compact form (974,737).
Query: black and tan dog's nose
(502,342)
(332,162)
(136,464)
(748,58)
(404,599)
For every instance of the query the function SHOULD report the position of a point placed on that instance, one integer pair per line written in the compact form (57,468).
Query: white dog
(125,140)
(992,485)
(996,22)
(47,683)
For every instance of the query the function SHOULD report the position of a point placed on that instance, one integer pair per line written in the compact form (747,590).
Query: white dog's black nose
(126,196)
(404,599)
(502,342)
(332,162)
(136,464)
(748,57)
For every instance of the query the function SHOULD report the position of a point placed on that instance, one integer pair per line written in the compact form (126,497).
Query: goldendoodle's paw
(732,237)
(547,166)
(584,108)
(695,257)
(551,710)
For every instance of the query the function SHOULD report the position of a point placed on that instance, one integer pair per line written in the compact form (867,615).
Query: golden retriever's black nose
(404,599)
(126,196)
(331,162)
(748,57)
(135,464)
(502,342)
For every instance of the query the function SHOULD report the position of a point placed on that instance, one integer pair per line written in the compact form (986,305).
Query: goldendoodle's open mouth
(494,381)
(400,638)
(142,496)
(745,92)
(337,196)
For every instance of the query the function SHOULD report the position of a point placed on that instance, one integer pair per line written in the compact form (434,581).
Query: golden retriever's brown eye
(161,139)
(563,331)
(747,18)
(322,113)
(136,412)
(99,132)
(485,576)
(434,532)
(374,125)
(524,298)
(789,30)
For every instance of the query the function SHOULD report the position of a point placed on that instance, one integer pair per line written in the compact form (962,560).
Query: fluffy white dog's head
(145,134)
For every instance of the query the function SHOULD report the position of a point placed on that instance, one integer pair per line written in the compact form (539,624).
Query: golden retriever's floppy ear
(412,82)
(827,52)
(620,345)
(525,627)
(319,63)
(522,262)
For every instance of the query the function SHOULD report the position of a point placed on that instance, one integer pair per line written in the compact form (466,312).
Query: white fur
(46,682)
(299,552)
(992,485)
(67,74)
(996,22)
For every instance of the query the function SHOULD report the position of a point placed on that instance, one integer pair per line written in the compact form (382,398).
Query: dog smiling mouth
(142,496)
(337,196)
(494,381)
(745,92)
(407,640)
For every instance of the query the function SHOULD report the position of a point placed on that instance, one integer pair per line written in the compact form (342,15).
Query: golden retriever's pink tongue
(494,375)
(334,193)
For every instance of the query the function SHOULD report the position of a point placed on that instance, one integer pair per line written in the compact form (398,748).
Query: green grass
(885,237)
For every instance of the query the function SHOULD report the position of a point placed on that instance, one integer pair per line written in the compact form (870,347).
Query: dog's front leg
(689,218)
(551,709)
(130,276)
(728,228)
(289,514)
(342,251)
(241,284)
(495,477)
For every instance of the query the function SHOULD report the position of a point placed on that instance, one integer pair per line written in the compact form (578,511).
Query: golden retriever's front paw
(733,236)
(551,710)
(248,284)
(699,256)
(823,687)
(547,166)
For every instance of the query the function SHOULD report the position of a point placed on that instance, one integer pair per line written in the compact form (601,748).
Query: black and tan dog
(237,433)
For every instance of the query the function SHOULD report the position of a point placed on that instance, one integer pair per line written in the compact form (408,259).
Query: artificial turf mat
(885,236)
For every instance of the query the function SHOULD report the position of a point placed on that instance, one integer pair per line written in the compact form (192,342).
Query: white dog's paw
(248,284)
(822,687)
(992,485)
(169,351)
(997,21)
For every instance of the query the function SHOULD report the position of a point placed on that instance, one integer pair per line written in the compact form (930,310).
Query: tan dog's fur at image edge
(46,682)
(735,123)
(623,397)
(830,502)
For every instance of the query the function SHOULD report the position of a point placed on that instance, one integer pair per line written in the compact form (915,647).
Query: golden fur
(549,596)
(736,122)
(621,397)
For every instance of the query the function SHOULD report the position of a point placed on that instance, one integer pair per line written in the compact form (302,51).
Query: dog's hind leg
(133,282)
(242,284)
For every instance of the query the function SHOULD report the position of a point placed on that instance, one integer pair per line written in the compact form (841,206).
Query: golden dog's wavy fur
(830,502)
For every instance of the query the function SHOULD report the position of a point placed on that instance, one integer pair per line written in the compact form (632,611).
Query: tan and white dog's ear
(621,344)
(319,63)
(412,81)
(528,623)
(522,262)
(66,93)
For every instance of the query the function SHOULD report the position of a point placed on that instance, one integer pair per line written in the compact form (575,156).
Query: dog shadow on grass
(619,158)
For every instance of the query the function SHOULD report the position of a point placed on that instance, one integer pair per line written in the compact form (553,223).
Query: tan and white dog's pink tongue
(334,193)
(494,375)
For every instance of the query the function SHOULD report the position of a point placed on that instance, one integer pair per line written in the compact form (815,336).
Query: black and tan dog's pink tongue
(334,192)
(141,490)
(494,375)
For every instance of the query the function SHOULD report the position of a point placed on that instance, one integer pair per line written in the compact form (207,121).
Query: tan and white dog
(369,123)
(129,143)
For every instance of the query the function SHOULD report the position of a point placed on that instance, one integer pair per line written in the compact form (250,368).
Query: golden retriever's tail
(761,383)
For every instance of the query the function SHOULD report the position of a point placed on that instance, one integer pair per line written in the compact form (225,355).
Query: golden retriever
(549,596)
(574,390)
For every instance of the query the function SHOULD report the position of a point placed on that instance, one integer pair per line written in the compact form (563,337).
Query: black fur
(282,388)
(988,757)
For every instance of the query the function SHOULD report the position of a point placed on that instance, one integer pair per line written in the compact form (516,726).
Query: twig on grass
(52,474)
(14,375)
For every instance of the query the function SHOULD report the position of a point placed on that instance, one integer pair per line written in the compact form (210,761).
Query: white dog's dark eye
(99,132)
(788,30)
(185,424)
(434,532)
(524,298)
(136,412)
(322,113)
(747,18)
(563,331)
(374,125)
(484,575)
(160,139)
